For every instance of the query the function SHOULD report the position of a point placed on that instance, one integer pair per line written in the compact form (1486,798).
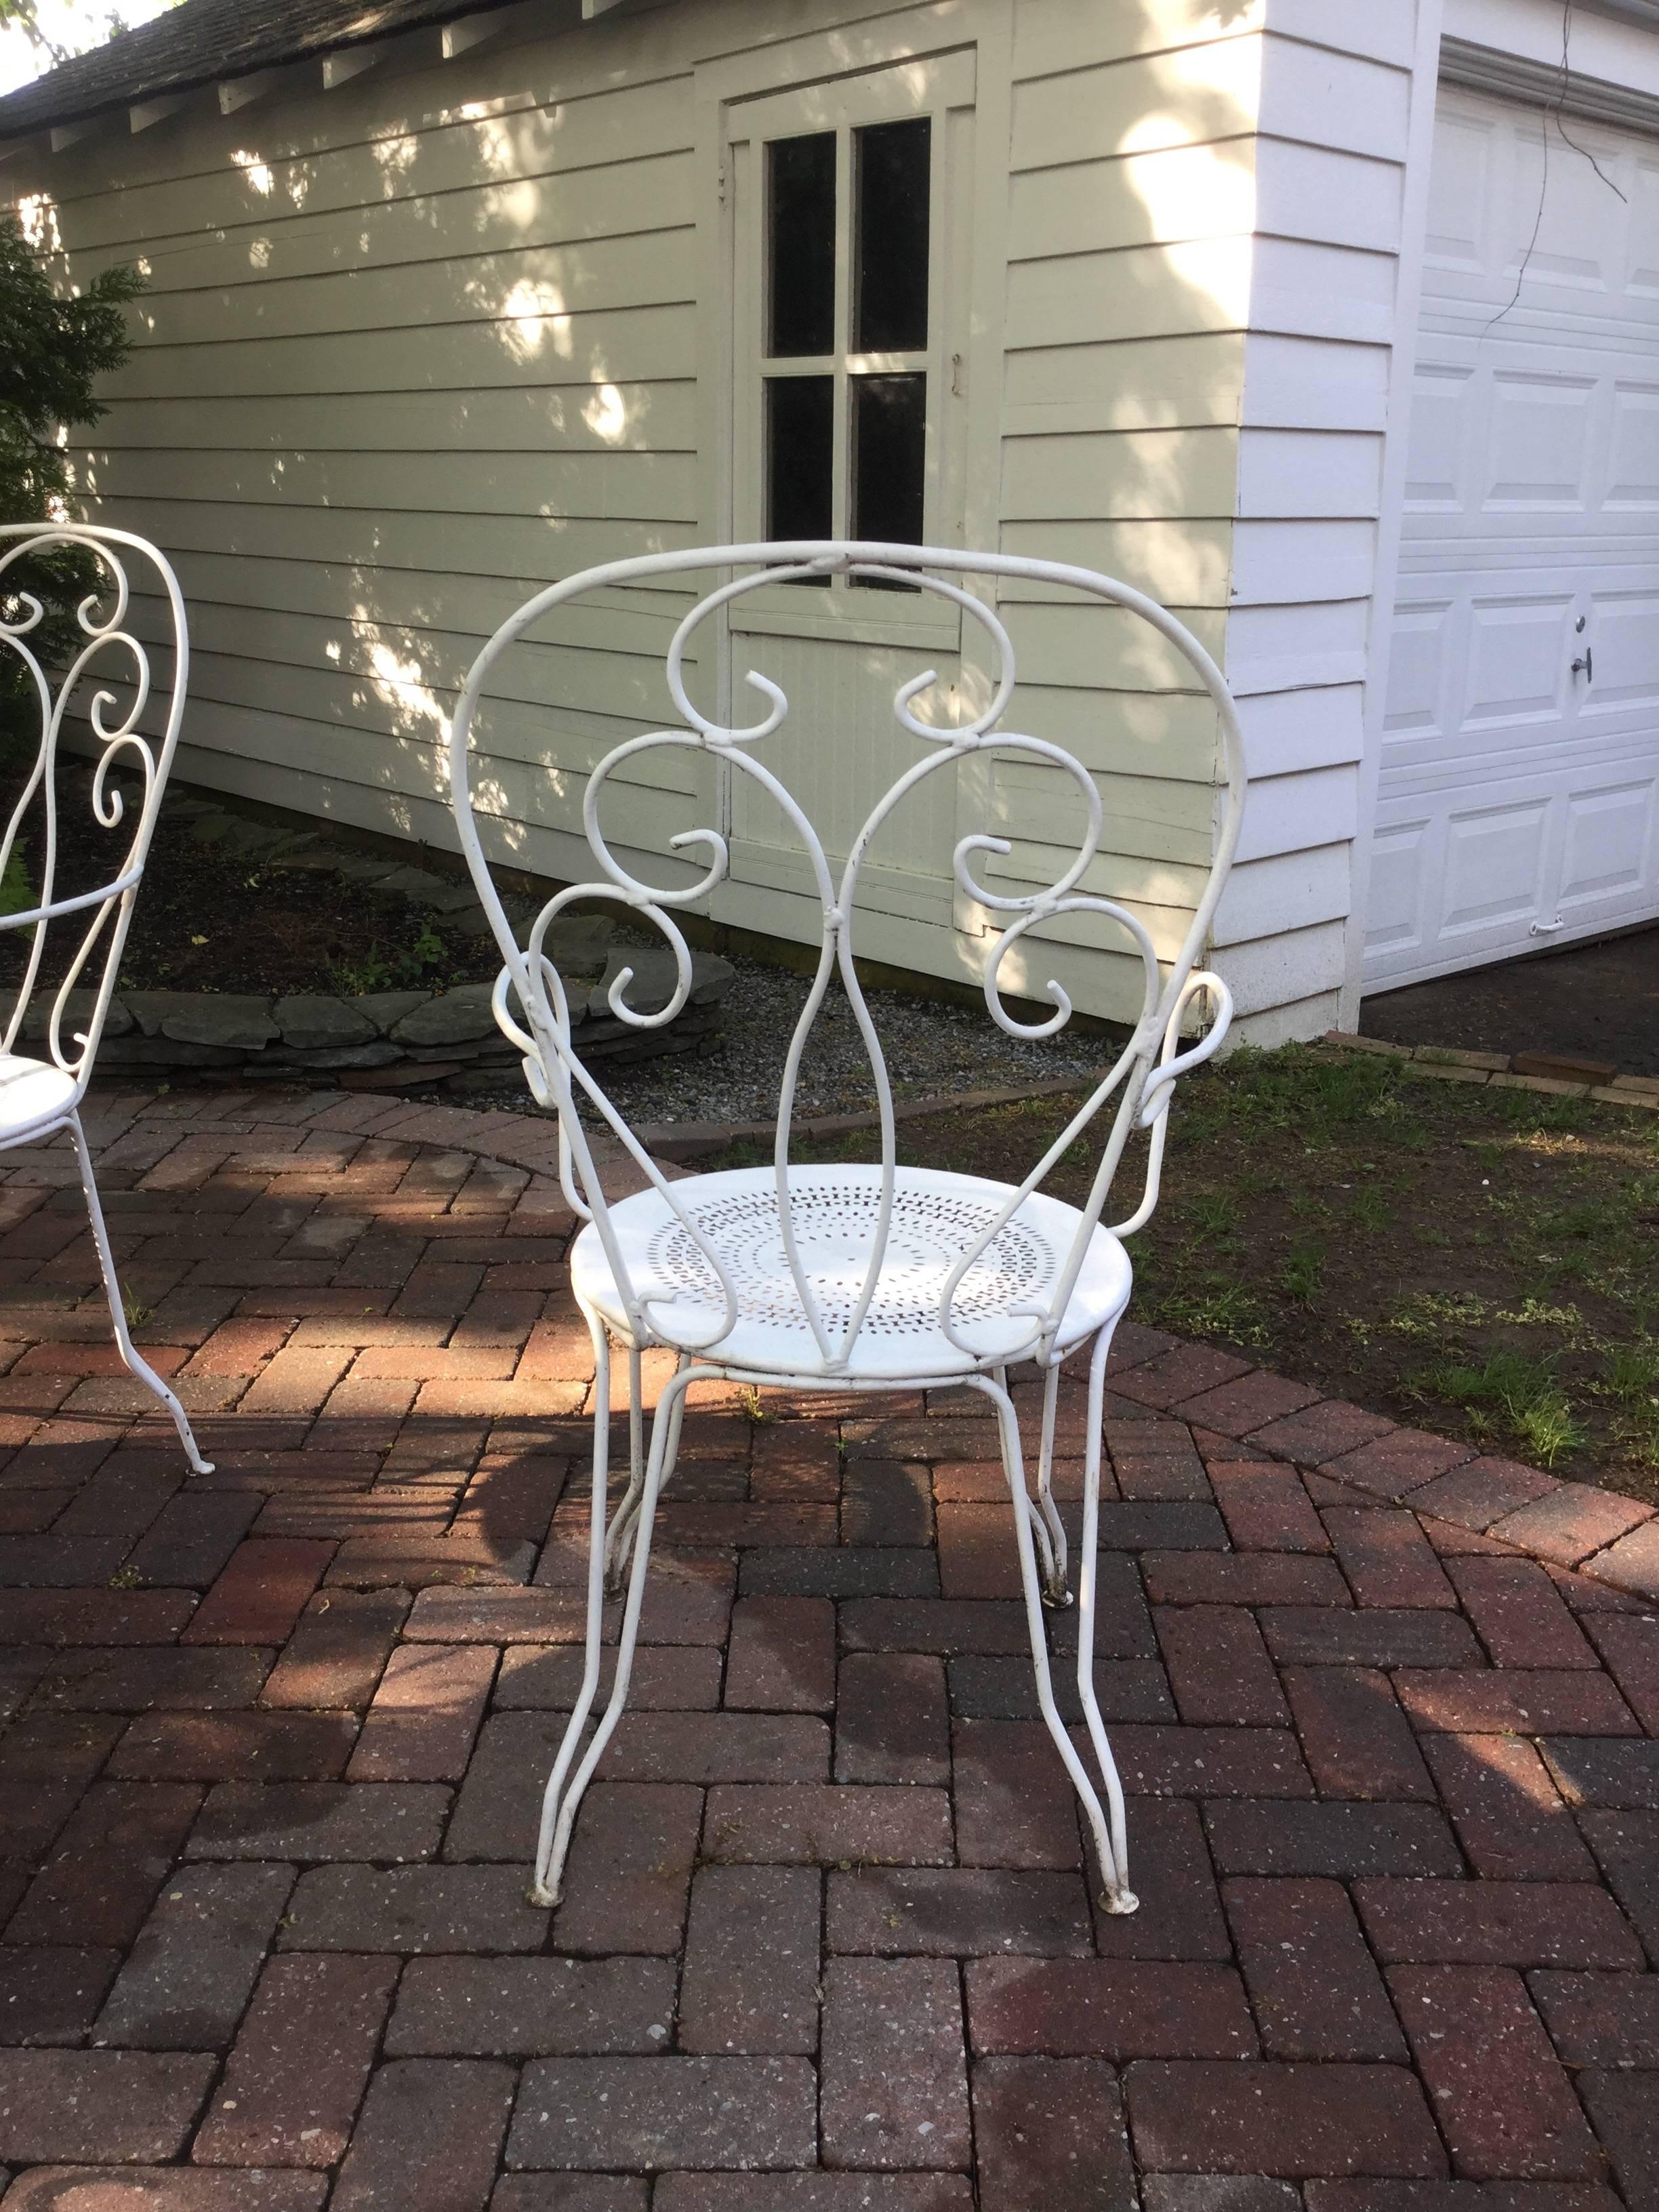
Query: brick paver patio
(276,1738)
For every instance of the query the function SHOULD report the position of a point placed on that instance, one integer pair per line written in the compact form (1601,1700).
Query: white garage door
(1519,794)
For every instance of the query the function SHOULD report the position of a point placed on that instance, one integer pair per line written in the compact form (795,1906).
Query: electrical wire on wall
(1552,113)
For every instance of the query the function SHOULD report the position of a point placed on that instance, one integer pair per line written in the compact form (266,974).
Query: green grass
(1302,1273)
(1511,1390)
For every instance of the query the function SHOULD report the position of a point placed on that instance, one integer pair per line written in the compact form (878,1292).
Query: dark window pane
(801,244)
(800,413)
(890,449)
(890,256)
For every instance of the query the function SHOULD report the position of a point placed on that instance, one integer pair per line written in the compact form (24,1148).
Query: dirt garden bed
(1483,1263)
(232,905)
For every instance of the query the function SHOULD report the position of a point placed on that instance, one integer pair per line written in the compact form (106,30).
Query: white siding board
(1340,199)
(1301,289)
(622,346)
(1079,299)
(1193,95)
(657,418)
(1274,648)
(1148,474)
(1139,199)
(1296,813)
(1291,964)
(1288,891)
(1138,384)
(1325,98)
(1312,726)
(1312,1017)
(1285,473)
(1311,384)
(609,488)
(1054,37)
(1351,26)
(1285,563)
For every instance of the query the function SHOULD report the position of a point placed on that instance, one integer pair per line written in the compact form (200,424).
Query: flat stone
(577,943)
(227,1020)
(385,1009)
(362,868)
(460,1017)
(78,1011)
(162,1052)
(234,833)
(422,888)
(311,1022)
(655,978)
(381,1052)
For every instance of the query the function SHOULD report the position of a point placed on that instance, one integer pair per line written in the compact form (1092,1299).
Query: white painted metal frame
(759,1303)
(41,1097)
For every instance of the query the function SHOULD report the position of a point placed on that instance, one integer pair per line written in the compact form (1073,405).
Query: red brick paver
(272,1742)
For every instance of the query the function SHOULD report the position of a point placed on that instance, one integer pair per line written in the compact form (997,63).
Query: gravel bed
(932,1049)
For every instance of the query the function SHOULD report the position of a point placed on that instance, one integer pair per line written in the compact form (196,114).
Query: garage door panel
(1466,146)
(1625,628)
(1633,447)
(1539,452)
(1416,672)
(1517,660)
(1402,868)
(1435,466)
(1642,260)
(1609,843)
(1517,795)
(1494,866)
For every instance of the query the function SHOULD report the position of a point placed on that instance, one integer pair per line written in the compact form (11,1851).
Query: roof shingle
(205,41)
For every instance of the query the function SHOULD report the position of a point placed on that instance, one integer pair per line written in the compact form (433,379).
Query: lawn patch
(1483,1262)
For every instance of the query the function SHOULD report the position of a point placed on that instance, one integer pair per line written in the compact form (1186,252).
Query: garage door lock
(1588,664)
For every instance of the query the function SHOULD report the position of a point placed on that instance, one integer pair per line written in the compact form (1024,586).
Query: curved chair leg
(616,1547)
(1118,1897)
(559,1808)
(540,1893)
(1088,1562)
(1056,1593)
(135,1361)
(625,1520)
(1042,1535)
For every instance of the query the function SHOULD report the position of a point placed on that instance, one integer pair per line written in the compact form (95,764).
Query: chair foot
(1119,1901)
(1058,1598)
(542,1898)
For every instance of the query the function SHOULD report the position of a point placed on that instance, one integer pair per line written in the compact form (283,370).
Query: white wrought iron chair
(841,1277)
(39,1095)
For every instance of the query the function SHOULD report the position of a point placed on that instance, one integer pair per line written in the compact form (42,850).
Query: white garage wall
(1344,88)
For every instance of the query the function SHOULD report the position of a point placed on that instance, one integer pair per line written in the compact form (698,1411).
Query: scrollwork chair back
(841,1277)
(108,678)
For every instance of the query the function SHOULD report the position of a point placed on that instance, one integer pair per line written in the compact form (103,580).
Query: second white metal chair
(39,1095)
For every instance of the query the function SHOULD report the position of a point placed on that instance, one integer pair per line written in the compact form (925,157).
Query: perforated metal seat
(32,1092)
(936,1218)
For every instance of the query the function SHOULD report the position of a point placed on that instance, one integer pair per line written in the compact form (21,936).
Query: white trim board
(1541,85)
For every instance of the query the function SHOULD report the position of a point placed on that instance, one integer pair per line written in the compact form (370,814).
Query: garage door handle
(1588,664)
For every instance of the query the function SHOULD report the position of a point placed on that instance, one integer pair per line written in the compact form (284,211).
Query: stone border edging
(1526,1070)
(695,1140)
(1568,1525)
